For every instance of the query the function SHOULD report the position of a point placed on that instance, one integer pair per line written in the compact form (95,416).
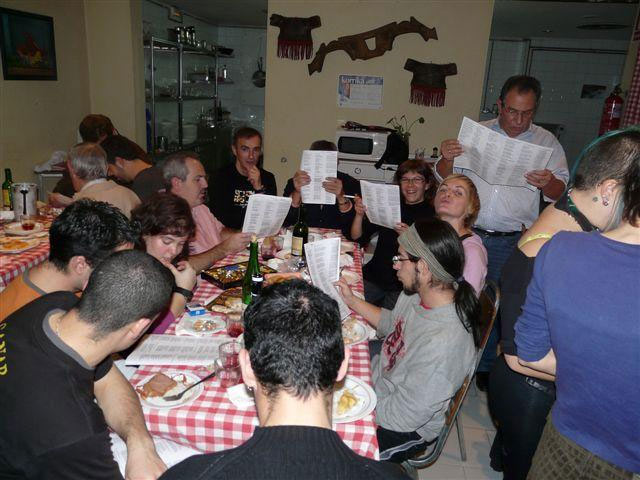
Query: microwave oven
(365,146)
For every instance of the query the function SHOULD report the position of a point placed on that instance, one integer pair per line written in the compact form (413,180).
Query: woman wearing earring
(457,203)
(519,397)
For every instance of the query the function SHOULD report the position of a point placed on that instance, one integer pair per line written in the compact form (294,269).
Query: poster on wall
(360,91)
(28,47)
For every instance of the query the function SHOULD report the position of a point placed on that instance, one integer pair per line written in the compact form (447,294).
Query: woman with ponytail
(430,338)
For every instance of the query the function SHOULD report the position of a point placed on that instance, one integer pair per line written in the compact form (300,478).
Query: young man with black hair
(128,162)
(83,235)
(294,354)
(59,389)
(235,183)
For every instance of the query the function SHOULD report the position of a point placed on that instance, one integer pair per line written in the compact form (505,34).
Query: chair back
(489,302)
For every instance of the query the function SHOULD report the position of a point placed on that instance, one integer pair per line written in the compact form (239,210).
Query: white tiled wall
(241,98)
(562,75)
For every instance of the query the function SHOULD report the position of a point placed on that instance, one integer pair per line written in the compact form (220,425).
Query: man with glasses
(506,210)
(185,177)
(236,182)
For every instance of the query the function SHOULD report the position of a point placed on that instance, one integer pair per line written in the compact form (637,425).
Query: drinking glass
(228,354)
(235,325)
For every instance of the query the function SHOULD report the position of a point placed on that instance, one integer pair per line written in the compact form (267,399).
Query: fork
(178,396)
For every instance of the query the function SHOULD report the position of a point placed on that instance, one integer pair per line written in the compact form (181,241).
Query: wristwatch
(188,294)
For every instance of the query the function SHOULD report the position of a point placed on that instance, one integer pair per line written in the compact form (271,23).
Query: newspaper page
(498,159)
(265,214)
(382,202)
(170,452)
(319,165)
(176,350)
(323,261)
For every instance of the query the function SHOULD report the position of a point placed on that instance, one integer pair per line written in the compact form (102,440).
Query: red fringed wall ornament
(427,86)
(295,41)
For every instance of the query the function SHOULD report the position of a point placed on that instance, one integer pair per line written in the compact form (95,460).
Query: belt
(547,387)
(491,233)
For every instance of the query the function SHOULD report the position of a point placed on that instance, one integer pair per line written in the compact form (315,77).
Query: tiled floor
(478,435)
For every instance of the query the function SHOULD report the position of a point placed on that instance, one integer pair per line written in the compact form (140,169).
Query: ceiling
(561,18)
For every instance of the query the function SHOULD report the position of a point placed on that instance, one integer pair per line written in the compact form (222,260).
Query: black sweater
(285,452)
(229,193)
(379,269)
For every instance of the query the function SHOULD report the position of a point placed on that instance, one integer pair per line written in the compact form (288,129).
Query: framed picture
(27,46)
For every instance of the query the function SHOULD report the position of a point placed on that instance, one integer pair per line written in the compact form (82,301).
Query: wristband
(188,294)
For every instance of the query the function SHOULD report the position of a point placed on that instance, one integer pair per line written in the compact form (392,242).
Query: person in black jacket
(294,353)
(232,185)
(417,189)
(322,216)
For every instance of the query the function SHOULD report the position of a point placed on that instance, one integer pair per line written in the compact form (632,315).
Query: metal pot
(24,197)
(260,76)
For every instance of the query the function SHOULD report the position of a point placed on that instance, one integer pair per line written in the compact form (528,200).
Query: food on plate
(203,325)
(229,276)
(347,401)
(157,386)
(271,278)
(14,244)
(228,302)
(233,302)
(349,333)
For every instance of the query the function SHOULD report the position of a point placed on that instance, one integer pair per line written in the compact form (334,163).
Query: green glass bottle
(300,234)
(252,281)
(6,190)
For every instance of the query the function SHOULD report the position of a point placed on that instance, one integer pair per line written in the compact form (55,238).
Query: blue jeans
(498,249)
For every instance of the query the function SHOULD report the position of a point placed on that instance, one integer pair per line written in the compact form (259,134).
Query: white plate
(187,398)
(187,322)
(366,400)
(5,246)
(16,229)
(353,332)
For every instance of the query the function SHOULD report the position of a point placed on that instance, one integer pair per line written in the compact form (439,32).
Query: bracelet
(188,294)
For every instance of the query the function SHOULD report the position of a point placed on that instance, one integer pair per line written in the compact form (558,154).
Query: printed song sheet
(265,214)
(323,260)
(170,452)
(382,202)
(498,159)
(176,350)
(319,165)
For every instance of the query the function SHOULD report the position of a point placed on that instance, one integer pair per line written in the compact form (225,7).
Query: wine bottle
(6,190)
(252,281)
(300,234)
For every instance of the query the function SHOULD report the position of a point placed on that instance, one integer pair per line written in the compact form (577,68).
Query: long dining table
(212,422)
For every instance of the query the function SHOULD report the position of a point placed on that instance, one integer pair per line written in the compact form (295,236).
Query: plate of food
(202,325)
(18,229)
(230,276)
(16,245)
(353,332)
(153,388)
(353,400)
(228,302)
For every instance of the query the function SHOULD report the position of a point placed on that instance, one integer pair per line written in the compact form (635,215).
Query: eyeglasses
(412,181)
(513,113)
(397,259)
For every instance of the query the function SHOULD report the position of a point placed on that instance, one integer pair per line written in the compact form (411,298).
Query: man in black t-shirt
(231,186)
(59,390)
(294,355)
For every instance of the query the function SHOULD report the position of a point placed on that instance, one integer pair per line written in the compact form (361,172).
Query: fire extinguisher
(612,112)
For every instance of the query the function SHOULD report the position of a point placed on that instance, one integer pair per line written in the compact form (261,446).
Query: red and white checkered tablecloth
(631,114)
(13,265)
(212,423)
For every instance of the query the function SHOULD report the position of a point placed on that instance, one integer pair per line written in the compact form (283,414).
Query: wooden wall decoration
(294,40)
(356,46)
(428,87)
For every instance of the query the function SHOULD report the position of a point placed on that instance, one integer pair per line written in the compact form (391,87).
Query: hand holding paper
(318,165)
(382,202)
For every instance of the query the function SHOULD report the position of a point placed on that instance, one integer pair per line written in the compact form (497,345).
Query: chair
(489,303)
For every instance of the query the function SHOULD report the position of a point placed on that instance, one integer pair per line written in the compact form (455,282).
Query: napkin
(6,215)
(240,396)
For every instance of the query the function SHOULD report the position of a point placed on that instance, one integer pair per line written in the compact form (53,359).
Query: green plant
(402,126)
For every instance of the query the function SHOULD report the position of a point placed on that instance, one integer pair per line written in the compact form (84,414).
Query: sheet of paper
(319,165)
(176,350)
(265,214)
(382,202)
(170,452)
(498,159)
(323,261)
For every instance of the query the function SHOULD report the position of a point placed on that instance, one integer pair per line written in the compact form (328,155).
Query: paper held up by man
(498,159)
(319,165)
(382,202)
(265,214)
